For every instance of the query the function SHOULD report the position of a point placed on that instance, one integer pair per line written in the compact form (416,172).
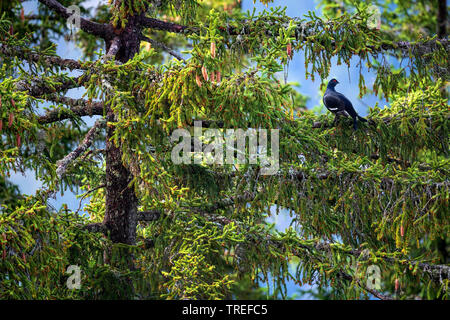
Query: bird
(338,104)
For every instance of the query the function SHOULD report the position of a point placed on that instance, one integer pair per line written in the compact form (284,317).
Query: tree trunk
(442,19)
(121,201)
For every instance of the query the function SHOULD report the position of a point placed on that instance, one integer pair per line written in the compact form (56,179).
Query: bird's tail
(362,119)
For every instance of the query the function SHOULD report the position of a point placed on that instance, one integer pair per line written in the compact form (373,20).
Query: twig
(148,216)
(88,193)
(162,46)
(165,26)
(112,49)
(82,147)
(95,227)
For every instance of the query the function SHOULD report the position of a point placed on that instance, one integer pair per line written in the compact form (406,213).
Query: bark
(129,40)
(442,33)
(162,46)
(121,200)
(163,25)
(442,19)
(120,213)
(64,163)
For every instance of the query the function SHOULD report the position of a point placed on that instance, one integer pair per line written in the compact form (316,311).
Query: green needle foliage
(152,229)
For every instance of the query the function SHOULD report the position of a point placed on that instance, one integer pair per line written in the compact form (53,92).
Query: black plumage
(338,104)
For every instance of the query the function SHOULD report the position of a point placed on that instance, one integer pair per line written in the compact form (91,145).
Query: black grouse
(338,104)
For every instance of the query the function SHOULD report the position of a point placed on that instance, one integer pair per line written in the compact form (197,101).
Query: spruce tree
(369,207)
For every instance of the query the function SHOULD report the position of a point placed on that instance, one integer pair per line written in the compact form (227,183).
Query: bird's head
(333,82)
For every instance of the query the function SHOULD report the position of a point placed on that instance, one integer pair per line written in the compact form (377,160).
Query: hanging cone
(289,50)
(205,73)
(397,284)
(11,119)
(218,76)
(197,79)
(18,140)
(213,49)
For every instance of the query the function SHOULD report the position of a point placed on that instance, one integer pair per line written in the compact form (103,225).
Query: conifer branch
(96,228)
(437,273)
(63,164)
(49,60)
(310,249)
(374,292)
(164,26)
(88,193)
(155,214)
(78,107)
(104,31)
(315,125)
(162,46)
(301,175)
(38,87)
(148,216)
(224,203)
(301,33)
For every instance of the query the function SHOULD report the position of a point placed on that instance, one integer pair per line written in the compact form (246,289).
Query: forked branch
(98,29)
(64,163)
